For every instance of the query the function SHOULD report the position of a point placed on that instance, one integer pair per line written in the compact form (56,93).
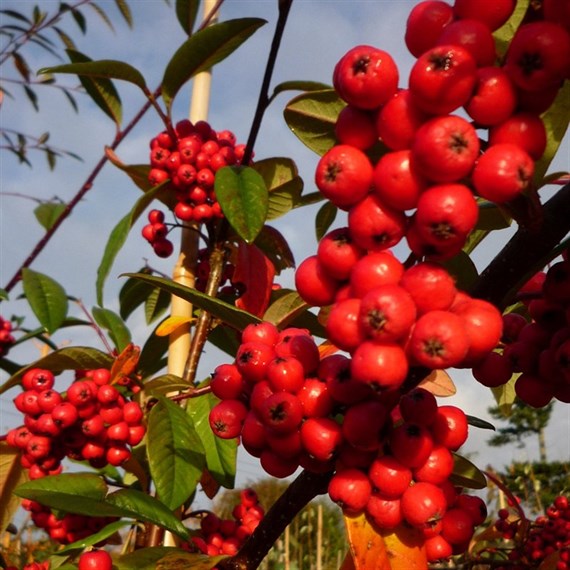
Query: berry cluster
(90,421)
(32,566)
(6,337)
(537,348)
(424,186)
(408,478)
(547,536)
(64,528)
(188,157)
(155,233)
(390,318)
(290,408)
(225,536)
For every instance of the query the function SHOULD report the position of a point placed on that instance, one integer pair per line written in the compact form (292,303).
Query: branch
(301,491)
(527,251)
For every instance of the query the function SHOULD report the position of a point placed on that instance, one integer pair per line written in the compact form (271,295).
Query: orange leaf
(256,273)
(327,348)
(399,549)
(439,383)
(126,363)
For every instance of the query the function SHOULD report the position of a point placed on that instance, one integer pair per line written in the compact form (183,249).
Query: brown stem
(302,490)
(195,393)
(217,259)
(87,185)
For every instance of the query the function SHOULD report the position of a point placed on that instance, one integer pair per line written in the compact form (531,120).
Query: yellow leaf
(169,325)
(439,383)
(11,475)
(327,348)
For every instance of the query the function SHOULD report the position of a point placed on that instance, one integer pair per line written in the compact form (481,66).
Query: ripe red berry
(95,560)
(390,477)
(226,418)
(355,127)
(321,437)
(315,286)
(473,35)
(423,504)
(425,23)
(366,77)
(350,489)
(344,175)
(450,427)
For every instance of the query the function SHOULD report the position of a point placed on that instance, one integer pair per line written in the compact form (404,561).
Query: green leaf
(505,33)
(175,453)
(221,454)
(119,236)
(186,12)
(226,312)
(286,308)
(298,86)
(46,297)
(165,558)
(156,305)
(69,358)
(86,494)
(466,474)
(104,68)
(203,50)
(324,219)
(243,197)
(114,325)
(283,183)
(165,384)
(463,270)
(93,539)
(152,358)
(312,118)
(505,395)
(125,12)
(3,295)
(556,123)
(132,295)
(101,90)
(478,422)
(141,506)
(48,213)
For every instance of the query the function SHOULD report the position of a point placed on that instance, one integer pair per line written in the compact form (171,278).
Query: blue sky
(317,35)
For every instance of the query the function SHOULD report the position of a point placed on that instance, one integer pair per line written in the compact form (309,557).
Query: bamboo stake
(185,269)
(319,537)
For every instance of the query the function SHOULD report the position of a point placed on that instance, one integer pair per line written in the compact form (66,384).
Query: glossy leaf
(285,309)
(119,236)
(283,184)
(276,248)
(156,305)
(171,324)
(132,295)
(12,474)
(100,89)
(165,384)
(165,558)
(505,33)
(324,219)
(175,453)
(104,68)
(93,539)
(46,298)
(478,422)
(70,358)
(556,123)
(203,50)
(227,313)
(466,474)
(312,118)
(298,86)
(243,197)
(114,325)
(187,12)
(463,270)
(221,454)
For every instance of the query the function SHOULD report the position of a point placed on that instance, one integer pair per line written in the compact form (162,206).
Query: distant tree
(536,483)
